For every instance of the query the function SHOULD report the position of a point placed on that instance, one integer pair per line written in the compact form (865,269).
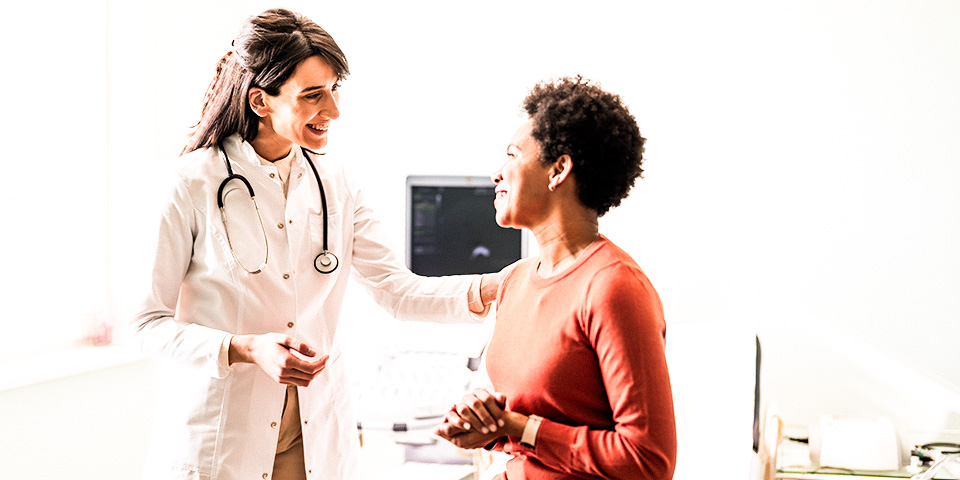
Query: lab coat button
(273,424)
(279,224)
(286,276)
(272,175)
(265,475)
(289,324)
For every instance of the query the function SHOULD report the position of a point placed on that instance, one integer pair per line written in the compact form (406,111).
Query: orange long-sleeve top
(584,349)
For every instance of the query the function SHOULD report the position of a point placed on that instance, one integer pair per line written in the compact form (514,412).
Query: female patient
(577,355)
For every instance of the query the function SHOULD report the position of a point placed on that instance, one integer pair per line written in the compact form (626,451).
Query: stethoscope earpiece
(326,262)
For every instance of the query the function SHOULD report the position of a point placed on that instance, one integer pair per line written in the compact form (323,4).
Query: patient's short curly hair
(572,116)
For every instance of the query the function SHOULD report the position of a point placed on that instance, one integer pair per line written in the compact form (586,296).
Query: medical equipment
(325,262)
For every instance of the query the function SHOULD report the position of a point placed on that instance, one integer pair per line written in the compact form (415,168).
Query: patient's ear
(559,171)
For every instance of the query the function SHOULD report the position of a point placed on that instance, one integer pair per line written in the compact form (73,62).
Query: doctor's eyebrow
(309,90)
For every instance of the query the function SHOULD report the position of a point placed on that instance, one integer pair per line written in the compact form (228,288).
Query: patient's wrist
(514,423)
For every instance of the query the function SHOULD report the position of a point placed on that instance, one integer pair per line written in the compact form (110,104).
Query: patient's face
(522,181)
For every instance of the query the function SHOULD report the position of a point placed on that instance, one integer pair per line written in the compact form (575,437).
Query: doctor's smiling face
(300,114)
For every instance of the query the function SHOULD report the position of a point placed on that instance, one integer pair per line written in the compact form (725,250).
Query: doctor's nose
(331,107)
(496,177)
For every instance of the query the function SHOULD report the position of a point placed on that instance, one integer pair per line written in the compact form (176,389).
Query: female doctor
(254,249)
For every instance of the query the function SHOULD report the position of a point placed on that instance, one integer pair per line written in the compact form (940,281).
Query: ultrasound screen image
(453,230)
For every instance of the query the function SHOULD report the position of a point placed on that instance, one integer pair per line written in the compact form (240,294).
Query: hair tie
(237,58)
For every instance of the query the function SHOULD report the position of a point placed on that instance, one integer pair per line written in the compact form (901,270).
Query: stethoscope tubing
(325,262)
(227,180)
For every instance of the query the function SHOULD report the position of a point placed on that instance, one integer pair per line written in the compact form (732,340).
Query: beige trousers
(288,464)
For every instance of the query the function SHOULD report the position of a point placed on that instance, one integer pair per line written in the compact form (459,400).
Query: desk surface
(781,475)
(793,461)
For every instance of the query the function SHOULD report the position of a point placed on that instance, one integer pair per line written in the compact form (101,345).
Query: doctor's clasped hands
(284,359)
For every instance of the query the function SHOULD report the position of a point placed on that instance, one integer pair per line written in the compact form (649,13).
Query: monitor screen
(452,227)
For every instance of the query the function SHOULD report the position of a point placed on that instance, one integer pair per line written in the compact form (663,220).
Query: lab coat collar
(242,152)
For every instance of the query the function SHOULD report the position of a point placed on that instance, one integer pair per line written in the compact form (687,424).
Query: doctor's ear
(258,101)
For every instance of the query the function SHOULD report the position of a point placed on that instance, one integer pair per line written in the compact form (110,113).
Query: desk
(791,475)
(794,464)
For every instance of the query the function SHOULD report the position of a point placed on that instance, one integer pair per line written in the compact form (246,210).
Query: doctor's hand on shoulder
(284,359)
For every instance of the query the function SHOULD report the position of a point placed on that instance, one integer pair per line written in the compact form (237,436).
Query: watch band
(529,437)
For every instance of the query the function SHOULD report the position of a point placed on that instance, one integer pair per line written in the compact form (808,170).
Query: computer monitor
(452,227)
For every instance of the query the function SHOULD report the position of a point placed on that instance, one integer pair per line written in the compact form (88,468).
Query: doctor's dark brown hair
(572,116)
(265,54)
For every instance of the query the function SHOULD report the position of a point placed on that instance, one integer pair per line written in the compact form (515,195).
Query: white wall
(53,184)
(802,156)
(90,426)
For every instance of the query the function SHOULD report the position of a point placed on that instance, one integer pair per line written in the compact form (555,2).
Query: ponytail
(225,107)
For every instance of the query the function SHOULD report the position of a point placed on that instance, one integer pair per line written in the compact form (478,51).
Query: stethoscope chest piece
(326,262)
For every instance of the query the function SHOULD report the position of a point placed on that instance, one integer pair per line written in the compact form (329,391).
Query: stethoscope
(325,262)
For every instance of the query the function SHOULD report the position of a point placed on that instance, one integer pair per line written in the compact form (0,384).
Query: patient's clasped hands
(480,419)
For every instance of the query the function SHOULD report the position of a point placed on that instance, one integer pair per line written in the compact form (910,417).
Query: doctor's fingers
(296,371)
(295,380)
(298,376)
(299,347)
(293,376)
(308,366)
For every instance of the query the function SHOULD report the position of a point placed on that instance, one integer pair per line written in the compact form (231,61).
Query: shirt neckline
(581,259)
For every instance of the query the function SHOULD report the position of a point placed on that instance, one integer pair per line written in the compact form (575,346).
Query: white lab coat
(222,423)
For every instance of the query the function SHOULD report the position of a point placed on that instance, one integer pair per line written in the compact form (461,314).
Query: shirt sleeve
(623,320)
(154,328)
(223,361)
